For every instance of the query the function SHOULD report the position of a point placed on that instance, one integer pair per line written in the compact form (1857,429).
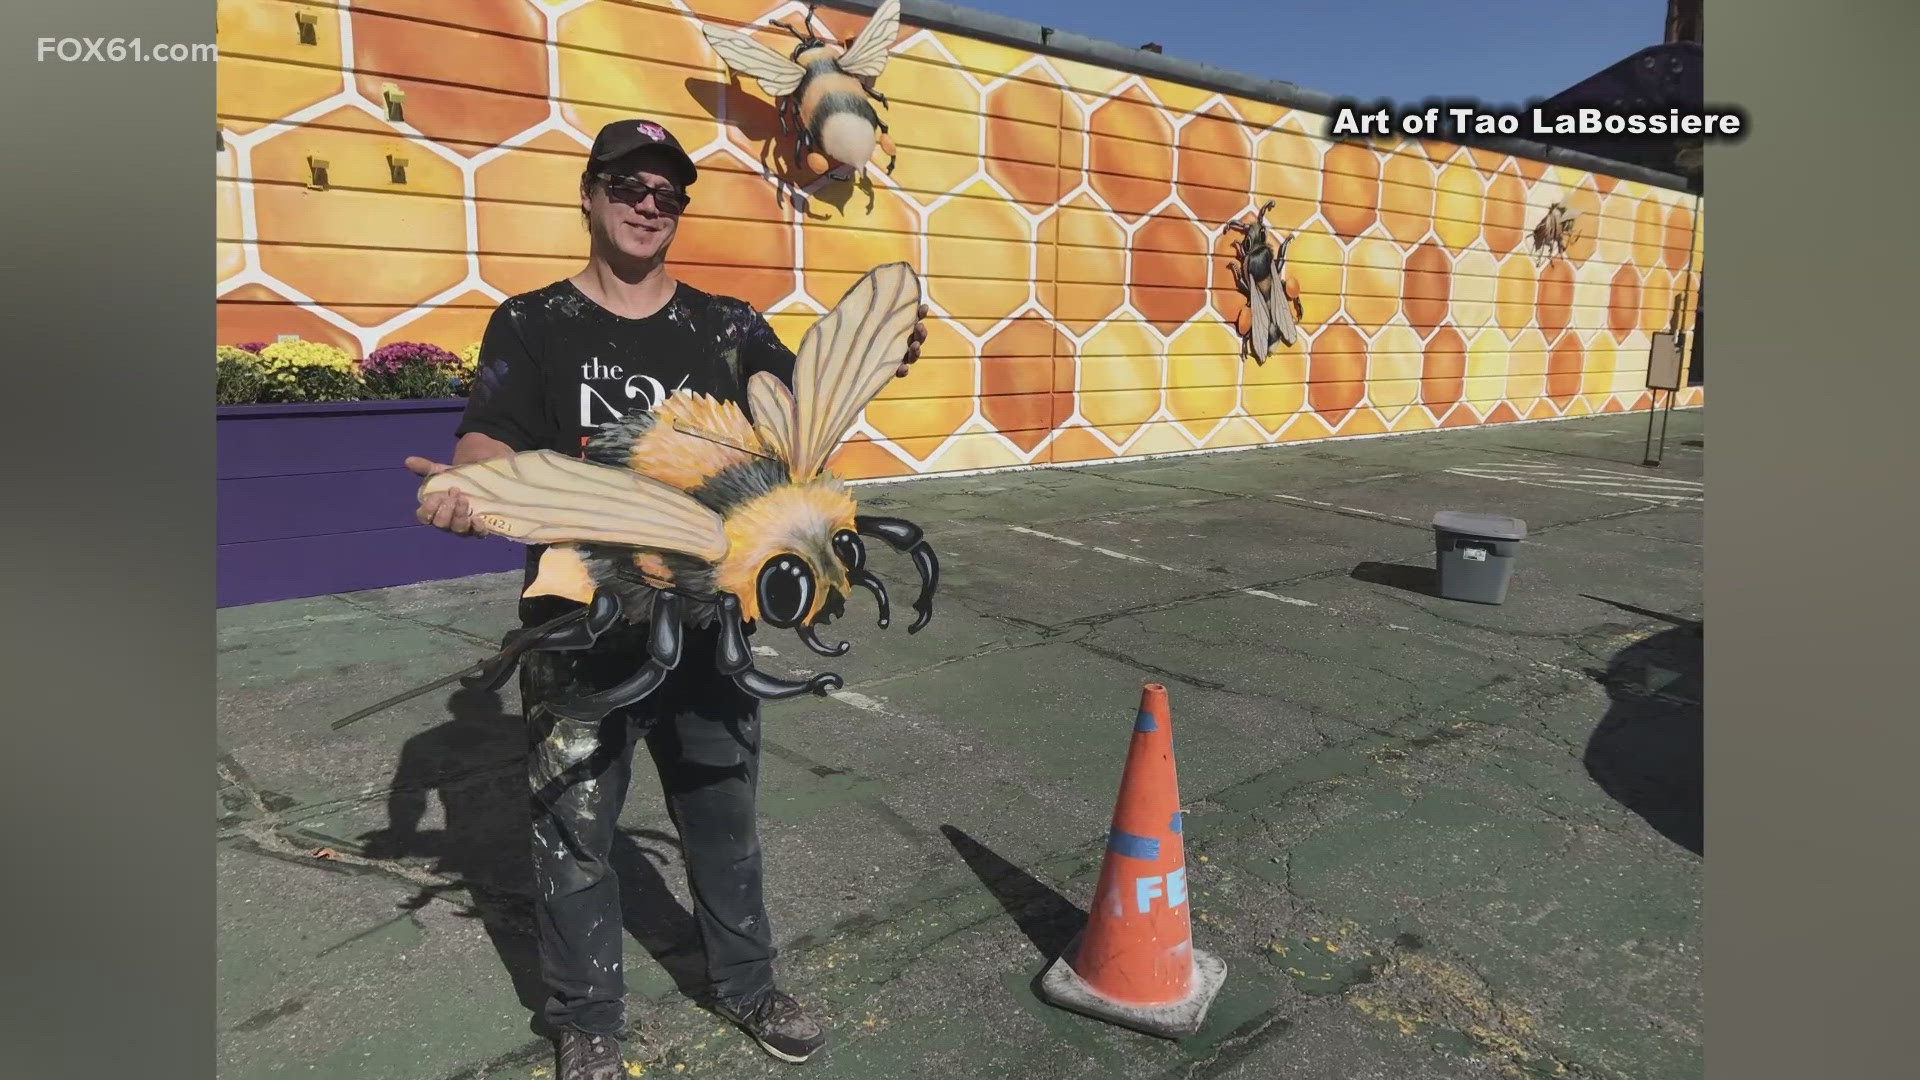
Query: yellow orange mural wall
(1068,220)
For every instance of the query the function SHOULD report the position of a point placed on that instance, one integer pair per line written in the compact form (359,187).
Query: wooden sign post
(1665,361)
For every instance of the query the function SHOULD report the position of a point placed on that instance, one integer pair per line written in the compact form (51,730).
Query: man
(555,364)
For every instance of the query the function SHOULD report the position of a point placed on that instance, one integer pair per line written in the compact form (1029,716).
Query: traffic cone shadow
(1134,964)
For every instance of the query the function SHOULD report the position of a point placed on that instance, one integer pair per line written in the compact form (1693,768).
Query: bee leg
(663,655)
(906,536)
(879,97)
(873,585)
(575,634)
(735,660)
(886,143)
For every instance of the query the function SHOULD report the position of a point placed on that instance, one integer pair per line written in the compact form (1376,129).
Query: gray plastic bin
(1475,554)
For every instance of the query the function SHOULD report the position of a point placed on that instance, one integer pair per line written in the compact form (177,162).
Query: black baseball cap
(623,137)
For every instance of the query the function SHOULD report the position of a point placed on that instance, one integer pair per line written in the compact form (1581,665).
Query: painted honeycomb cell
(936,116)
(1350,189)
(1406,197)
(1504,223)
(528,228)
(979,257)
(1336,371)
(734,239)
(265,73)
(1287,171)
(1016,381)
(1623,302)
(1553,303)
(841,244)
(1474,284)
(613,56)
(1067,223)
(1317,261)
(1203,369)
(368,249)
(1443,369)
(1216,166)
(1131,162)
(1090,268)
(1168,282)
(1121,376)
(1515,293)
(1426,290)
(1566,361)
(1649,233)
(1457,205)
(1488,355)
(1272,393)
(1023,118)
(1395,360)
(1527,370)
(1373,281)
(1656,300)
(1584,202)
(469,83)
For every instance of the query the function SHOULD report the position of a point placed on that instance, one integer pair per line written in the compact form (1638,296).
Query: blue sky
(1502,52)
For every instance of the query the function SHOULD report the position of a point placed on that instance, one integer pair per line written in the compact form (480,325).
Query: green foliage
(238,381)
(413,379)
(315,384)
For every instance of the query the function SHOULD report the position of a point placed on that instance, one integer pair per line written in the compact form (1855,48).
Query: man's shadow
(1649,751)
(475,763)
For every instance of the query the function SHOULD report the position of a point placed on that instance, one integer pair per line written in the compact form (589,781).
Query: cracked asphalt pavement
(1431,839)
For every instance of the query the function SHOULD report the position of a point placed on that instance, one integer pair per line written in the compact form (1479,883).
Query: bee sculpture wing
(847,357)
(541,497)
(867,56)
(1278,309)
(778,75)
(774,413)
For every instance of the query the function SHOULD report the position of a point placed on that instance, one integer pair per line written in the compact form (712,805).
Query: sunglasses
(668,200)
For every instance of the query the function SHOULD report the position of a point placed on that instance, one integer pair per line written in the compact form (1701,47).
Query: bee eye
(852,552)
(786,591)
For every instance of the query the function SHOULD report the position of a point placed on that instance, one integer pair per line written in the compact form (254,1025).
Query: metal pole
(1647,458)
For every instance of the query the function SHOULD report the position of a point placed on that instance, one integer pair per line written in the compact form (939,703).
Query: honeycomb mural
(387,176)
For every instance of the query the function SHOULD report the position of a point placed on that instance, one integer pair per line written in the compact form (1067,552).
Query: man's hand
(918,339)
(443,509)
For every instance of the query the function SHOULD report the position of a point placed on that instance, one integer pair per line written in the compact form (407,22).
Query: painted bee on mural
(1554,231)
(691,513)
(822,88)
(1273,303)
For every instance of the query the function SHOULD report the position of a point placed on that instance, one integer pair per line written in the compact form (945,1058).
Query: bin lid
(1492,526)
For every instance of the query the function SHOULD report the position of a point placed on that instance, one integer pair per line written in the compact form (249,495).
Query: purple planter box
(314,499)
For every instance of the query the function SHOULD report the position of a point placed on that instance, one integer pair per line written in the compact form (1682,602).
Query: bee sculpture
(691,512)
(1554,230)
(822,88)
(1273,306)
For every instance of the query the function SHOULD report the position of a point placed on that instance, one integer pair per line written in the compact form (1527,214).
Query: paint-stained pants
(703,733)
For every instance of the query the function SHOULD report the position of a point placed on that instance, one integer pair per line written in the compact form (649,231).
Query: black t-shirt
(555,366)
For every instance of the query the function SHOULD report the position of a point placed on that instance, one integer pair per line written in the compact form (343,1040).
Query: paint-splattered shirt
(554,366)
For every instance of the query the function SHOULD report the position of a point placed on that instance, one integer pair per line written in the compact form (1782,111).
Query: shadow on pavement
(1648,751)
(475,764)
(1048,919)
(1424,580)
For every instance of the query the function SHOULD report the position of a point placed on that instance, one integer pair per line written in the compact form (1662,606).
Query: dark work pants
(703,734)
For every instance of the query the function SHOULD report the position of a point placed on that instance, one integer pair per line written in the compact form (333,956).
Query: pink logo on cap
(653,131)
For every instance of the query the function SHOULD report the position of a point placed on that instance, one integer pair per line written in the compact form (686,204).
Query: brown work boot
(585,1056)
(778,1024)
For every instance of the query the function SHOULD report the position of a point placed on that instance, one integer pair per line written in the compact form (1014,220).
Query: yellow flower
(288,355)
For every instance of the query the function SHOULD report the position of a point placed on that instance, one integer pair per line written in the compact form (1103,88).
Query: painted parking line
(1123,556)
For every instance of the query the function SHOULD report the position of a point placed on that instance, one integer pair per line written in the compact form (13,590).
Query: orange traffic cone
(1135,964)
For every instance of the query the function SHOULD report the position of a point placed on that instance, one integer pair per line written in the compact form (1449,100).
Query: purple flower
(388,359)
(252,346)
